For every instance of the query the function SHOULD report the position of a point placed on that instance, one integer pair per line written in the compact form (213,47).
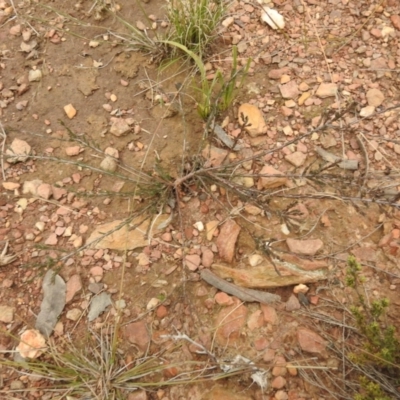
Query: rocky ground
(311,176)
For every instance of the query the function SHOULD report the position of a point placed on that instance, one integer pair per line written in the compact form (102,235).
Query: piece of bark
(265,276)
(249,295)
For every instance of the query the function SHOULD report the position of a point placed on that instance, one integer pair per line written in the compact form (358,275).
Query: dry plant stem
(3,144)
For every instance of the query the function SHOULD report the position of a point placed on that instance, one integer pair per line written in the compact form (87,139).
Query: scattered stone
(270,315)
(6,314)
(32,344)
(223,299)
(326,90)
(44,191)
(297,158)
(305,247)
(207,257)
(192,261)
(214,155)
(255,259)
(11,185)
(375,97)
(74,314)
(73,151)
(21,105)
(252,120)
(255,320)
(301,288)
(54,289)
(97,273)
(153,303)
(119,126)
(35,75)
(279,382)
(162,311)
(396,21)
(367,111)
(137,395)
(310,341)
(109,164)
(289,90)
(278,73)
(98,305)
(227,239)
(279,366)
(70,111)
(74,286)
(276,180)
(19,151)
(137,334)
(51,240)
(293,303)
(281,395)
(234,318)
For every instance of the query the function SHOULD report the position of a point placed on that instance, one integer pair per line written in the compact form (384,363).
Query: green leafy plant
(380,345)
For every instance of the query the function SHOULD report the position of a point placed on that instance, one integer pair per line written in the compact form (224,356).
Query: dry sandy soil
(327,84)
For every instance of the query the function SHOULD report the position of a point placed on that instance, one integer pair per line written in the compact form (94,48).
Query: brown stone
(137,334)
(227,239)
(310,341)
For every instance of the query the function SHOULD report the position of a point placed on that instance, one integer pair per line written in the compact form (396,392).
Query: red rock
(314,300)
(74,286)
(223,299)
(136,333)
(395,21)
(304,247)
(297,158)
(162,311)
(289,90)
(227,239)
(270,315)
(376,32)
(310,341)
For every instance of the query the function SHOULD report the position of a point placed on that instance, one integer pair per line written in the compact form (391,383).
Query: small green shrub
(380,345)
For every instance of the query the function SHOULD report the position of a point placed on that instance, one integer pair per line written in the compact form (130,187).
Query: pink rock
(326,90)
(305,247)
(76,177)
(72,150)
(234,318)
(255,320)
(207,257)
(293,303)
(167,237)
(279,366)
(277,73)
(214,155)
(297,158)
(277,178)
(136,333)
(74,286)
(279,382)
(97,273)
(58,192)
(261,343)
(227,239)
(51,240)
(376,32)
(269,313)
(289,90)
(192,261)
(310,341)
(44,191)
(223,299)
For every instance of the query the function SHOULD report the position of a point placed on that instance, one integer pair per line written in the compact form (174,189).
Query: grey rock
(99,305)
